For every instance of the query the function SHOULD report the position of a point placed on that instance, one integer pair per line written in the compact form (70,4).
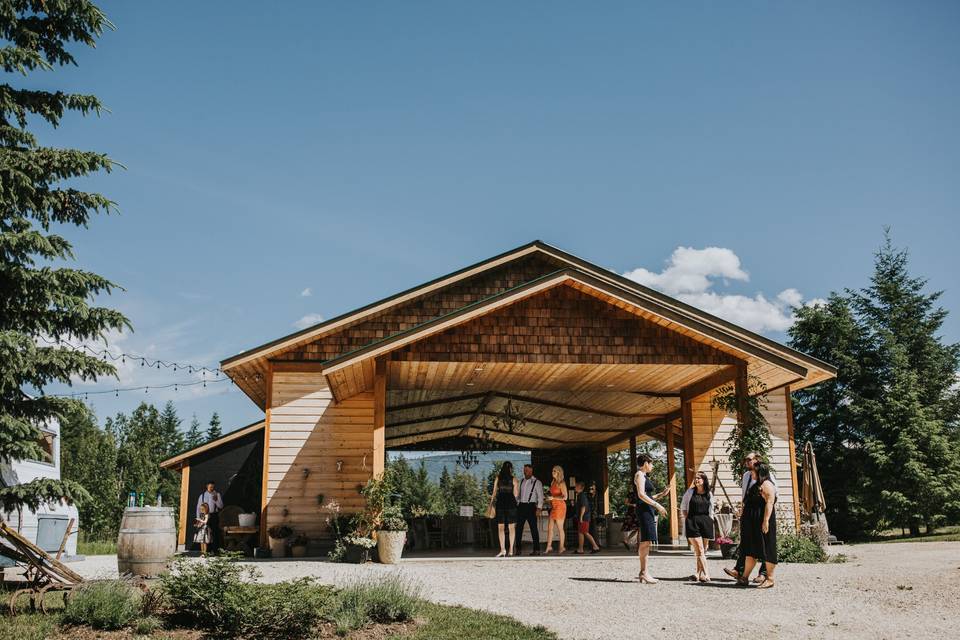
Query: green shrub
(800,549)
(390,599)
(103,604)
(223,597)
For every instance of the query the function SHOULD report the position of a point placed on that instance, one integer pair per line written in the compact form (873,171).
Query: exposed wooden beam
(435,401)
(484,401)
(672,484)
(709,383)
(583,409)
(643,428)
(561,425)
(445,416)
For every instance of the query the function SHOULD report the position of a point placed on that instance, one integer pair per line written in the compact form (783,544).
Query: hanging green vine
(754,434)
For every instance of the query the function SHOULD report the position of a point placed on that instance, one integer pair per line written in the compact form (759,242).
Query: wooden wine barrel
(147,541)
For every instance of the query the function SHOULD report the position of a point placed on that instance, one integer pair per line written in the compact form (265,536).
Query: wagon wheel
(42,595)
(12,603)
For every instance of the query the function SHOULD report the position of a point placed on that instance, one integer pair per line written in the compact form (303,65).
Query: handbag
(491,511)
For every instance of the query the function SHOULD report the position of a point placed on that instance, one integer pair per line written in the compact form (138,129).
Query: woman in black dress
(696,509)
(505,492)
(758,529)
(647,508)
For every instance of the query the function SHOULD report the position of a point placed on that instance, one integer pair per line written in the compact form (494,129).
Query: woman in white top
(696,509)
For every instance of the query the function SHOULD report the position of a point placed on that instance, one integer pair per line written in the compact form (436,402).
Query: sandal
(767,584)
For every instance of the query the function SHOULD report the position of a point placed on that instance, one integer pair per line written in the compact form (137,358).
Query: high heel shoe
(644,579)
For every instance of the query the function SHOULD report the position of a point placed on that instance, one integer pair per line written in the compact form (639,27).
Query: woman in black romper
(758,530)
(697,512)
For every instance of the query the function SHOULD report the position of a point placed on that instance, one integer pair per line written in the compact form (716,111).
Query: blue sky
(351,150)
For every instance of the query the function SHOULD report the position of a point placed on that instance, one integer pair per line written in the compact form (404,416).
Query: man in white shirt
(529,504)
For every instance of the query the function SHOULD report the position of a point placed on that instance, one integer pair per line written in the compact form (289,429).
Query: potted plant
(391,535)
(298,545)
(278,539)
(358,549)
(728,547)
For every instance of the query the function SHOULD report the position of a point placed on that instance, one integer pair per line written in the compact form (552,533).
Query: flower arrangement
(279,531)
(723,540)
(360,541)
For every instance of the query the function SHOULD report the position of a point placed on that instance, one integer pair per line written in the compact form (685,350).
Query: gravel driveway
(903,590)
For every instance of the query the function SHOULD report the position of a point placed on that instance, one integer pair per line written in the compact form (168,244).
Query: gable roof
(183,456)
(572,269)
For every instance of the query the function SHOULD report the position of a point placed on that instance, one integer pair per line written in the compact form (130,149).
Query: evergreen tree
(916,473)
(170,429)
(42,301)
(894,395)
(88,457)
(464,490)
(445,480)
(194,437)
(214,431)
(142,444)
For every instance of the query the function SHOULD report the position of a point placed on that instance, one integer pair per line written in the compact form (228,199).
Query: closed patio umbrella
(812,492)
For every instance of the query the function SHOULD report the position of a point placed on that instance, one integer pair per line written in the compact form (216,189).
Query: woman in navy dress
(647,508)
(758,528)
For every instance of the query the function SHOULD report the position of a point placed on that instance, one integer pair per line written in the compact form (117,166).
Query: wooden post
(633,457)
(672,483)
(184,503)
(793,458)
(379,416)
(689,464)
(265,480)
(605,479)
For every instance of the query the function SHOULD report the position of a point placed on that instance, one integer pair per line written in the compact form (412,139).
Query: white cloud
(691,274)
(308,320)
(306,293)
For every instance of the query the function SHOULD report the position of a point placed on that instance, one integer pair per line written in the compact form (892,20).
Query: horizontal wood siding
(309,433)
(711,428)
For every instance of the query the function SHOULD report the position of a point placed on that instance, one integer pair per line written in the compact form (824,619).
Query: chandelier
(480,445)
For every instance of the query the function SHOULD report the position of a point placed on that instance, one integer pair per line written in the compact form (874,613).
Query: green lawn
(96,547)
(944,534)
(459,623)
(440,623)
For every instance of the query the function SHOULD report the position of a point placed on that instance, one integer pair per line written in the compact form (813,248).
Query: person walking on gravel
(647,508)
(745,483)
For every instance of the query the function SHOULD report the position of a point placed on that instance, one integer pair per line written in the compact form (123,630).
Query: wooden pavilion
(593,360)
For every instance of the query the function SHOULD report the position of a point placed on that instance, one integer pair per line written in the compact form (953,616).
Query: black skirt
(753,541)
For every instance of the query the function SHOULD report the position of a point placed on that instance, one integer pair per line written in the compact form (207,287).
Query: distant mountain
(436,462)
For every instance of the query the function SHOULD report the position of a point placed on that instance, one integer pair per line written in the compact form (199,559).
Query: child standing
(204,535)
(583,519)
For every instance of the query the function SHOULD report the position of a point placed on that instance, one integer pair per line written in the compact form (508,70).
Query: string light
(105,354)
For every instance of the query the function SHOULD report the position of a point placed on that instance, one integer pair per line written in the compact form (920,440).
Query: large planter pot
(298,551)
(278,547)
(614,534)
(390,545)
(356,555)
(727,551)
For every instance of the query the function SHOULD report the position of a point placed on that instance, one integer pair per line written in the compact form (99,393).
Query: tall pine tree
(885,430)
(194,437)
(214,431)
(88,456)
(41,300)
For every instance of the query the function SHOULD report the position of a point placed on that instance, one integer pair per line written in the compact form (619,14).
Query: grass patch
(456,623)
(28,626)
(97,547)
(944,534)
